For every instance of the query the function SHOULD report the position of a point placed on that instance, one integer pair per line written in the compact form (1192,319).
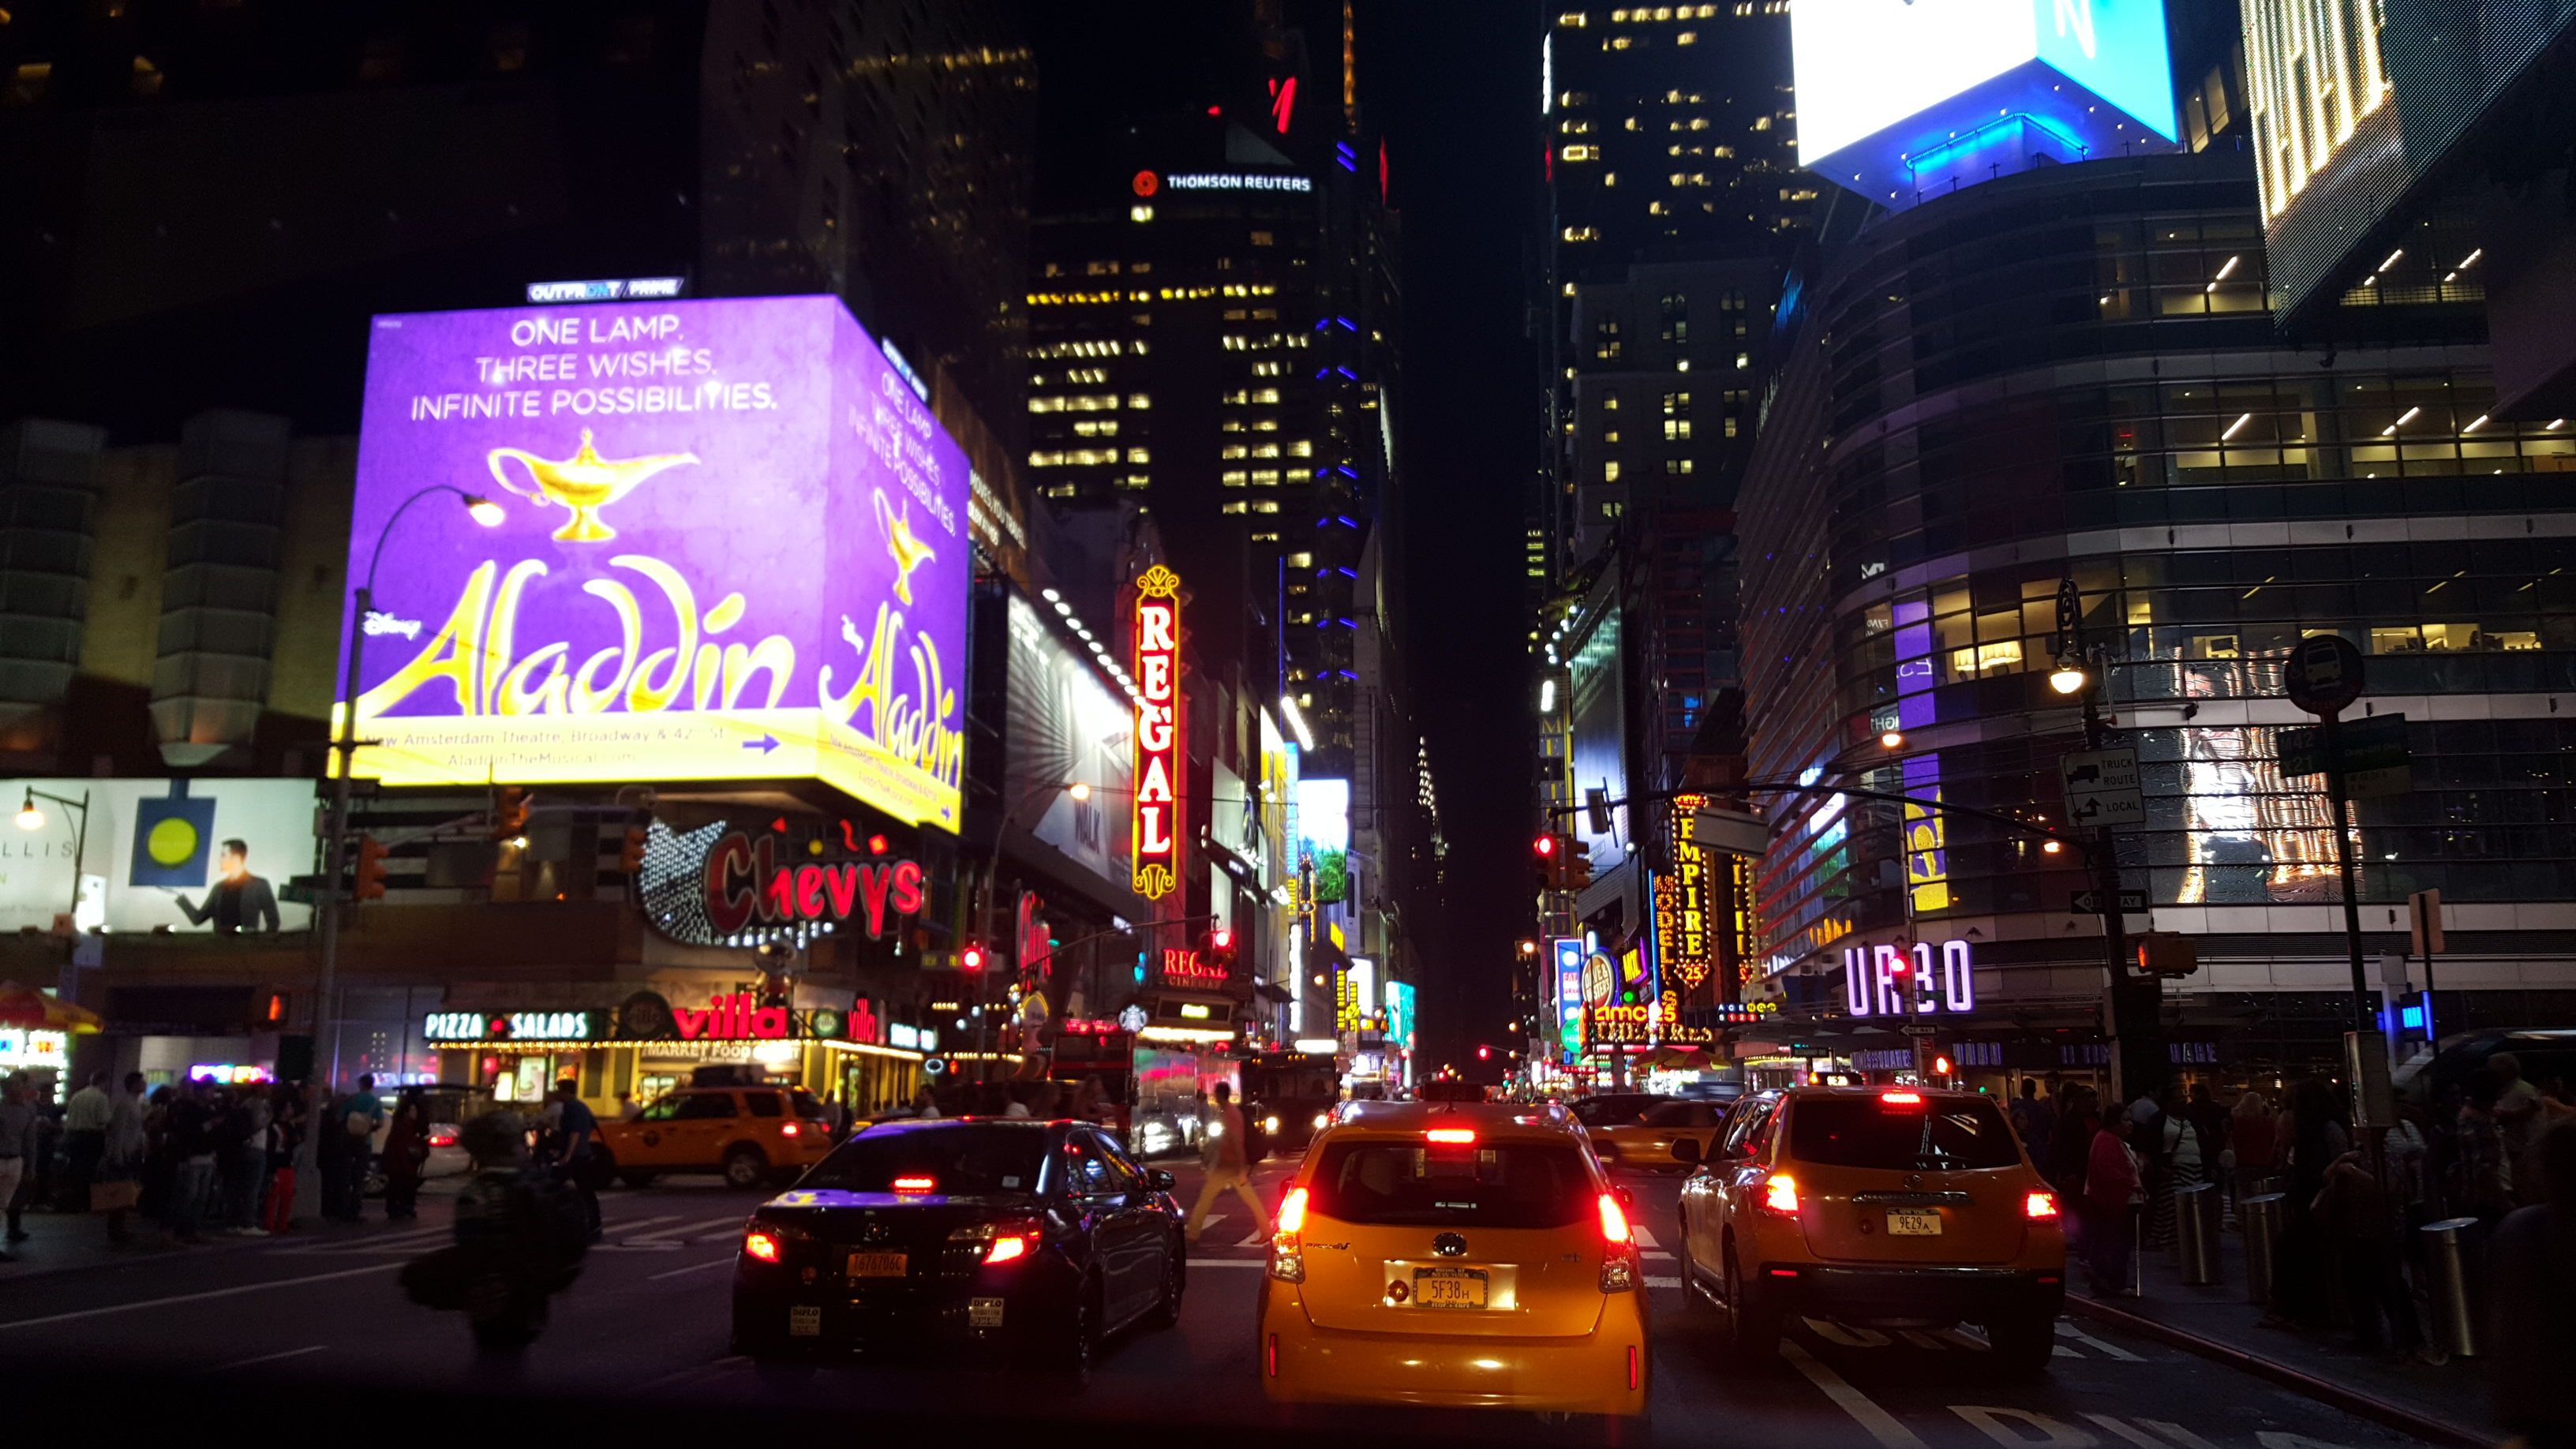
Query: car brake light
(442,1139)
(915,1184)
(1614,1222)
(1780,1195)
(1901,1099)
(1287,1256)
(1459,1135)
(788,1129)
(2039,1205)
(1292,1213)
(1005,1250)
(760,1245)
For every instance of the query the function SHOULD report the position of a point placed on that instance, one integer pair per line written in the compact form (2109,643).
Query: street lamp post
(335,832)
(992,889)
(2136,1002)
(32,817)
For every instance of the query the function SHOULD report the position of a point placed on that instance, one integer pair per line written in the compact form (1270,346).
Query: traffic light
(1484,1053)
(1551,865)
(1940,1064)
(1577,866)
(1221,939)
(370,882)
(972,958)
(2168,953)
(630,858)
(509,813)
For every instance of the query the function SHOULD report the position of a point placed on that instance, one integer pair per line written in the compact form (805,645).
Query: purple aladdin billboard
(735,549)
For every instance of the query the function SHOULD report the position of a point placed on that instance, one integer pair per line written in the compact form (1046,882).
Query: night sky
(1453,86)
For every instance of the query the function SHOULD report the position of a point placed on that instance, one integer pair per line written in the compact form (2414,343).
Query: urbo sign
(1887,981)
(746,883)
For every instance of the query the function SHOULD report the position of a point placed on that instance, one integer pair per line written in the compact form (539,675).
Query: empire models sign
(1156,866)
(734,549)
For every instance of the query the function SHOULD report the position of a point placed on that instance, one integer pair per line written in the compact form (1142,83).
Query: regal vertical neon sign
(1157,833)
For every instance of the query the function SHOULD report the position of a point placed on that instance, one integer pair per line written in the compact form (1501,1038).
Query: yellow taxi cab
(1457,1255)
(753,1135)
(1651,1140)
(1901,1207)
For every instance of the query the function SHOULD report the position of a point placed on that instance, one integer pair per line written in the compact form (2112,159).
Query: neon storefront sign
(1156,866)
(480,1026)
(746,884)
(1925,980)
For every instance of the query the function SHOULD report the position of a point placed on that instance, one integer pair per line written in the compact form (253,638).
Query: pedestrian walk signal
(2168,953)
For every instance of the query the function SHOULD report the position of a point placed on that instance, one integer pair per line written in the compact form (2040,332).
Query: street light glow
(29,817)
(1079,791)
(2068,678)
(1893,740)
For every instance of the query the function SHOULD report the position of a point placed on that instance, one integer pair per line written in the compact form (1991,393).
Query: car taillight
(442,1139)
(1454,1136)
(1614,1222)
(763,1246)
(2036,1205)
(1006,1250)
(788,1129)
(1901,1099)
(915,1184)
(1287,1256)
(1780,1194)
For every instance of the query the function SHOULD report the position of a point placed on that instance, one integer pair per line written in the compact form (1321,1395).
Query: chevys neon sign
(1890,981)
(746,883)
(1157,862)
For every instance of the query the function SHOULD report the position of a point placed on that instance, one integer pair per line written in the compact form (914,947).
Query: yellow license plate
(1913,1222)
(1449,1287)
(878,1265)
(804,1322)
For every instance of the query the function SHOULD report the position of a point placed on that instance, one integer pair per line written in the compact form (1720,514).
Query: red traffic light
(1940,1066)
(1484,1053)
(971,959)
(1221,938)
(1544,846)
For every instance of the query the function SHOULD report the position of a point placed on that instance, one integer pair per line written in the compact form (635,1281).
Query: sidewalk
(62,1242)
(2443,1404)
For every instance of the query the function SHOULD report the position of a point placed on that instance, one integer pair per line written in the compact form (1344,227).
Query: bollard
(2452,1250)
(2196,1234)
(2260,1217)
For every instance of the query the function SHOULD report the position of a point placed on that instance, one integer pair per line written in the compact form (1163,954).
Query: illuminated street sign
(1156,866)
(1888,981)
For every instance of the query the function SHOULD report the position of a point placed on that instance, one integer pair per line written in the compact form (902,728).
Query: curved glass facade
(2071,374)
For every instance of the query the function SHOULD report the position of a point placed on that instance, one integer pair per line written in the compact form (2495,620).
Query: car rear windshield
(805,1103)
(1510,1185)
(1934,1134)
(1611,1111)
(956,1160)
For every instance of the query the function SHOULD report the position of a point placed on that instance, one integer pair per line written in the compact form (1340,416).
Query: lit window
(1610,471)
(1139,455)
(1237,506)
(1140,213)
(1139,400)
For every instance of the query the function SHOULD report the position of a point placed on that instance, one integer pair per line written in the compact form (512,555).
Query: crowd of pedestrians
(196,1159)
(2348,1255)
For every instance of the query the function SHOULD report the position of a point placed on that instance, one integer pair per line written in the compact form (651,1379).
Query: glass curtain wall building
(2071,373)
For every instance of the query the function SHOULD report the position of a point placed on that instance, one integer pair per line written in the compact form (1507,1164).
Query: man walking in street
(17,1144)
(576,1129)
(1222,1149)
(85,1139)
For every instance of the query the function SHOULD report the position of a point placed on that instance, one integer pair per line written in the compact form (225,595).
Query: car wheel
(636,1177)
(1080,1351)
(1167,1309)
(2022,1345)
(1752,1324)
(746,1167)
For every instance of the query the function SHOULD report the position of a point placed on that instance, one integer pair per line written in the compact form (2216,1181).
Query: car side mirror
(1686,1150)
(1161,1180)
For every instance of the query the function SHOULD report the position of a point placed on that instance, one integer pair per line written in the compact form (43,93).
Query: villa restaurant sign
(1156,866)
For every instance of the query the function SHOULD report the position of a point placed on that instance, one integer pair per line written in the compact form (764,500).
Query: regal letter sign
(1157,863)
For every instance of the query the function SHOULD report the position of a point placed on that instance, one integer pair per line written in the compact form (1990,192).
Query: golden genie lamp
(584,483)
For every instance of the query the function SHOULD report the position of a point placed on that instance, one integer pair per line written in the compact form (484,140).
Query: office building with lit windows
(1213,340)
(2071,374)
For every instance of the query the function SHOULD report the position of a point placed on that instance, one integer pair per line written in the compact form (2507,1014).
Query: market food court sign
(1924,980)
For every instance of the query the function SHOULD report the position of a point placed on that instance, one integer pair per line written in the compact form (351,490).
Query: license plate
(984,1312)
(878,1265)
(1449,1287)
(1913,1222)
(804,1322)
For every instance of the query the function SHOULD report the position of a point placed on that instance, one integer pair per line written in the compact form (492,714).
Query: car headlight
(1322,1119)
(1270,1125)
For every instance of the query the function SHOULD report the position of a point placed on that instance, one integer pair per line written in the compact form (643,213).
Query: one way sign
(2091,903)
(2102,787)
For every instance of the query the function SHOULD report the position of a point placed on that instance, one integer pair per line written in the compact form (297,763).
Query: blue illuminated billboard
(1902,100)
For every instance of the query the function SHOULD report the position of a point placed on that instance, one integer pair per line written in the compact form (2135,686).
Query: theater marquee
(1157,853)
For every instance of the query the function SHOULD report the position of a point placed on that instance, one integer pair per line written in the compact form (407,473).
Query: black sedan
(1033,1241)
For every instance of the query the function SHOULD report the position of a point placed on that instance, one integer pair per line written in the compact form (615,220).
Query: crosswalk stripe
(2069,1330)
(685,1231)
(1644,1238)
(1654,1282)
